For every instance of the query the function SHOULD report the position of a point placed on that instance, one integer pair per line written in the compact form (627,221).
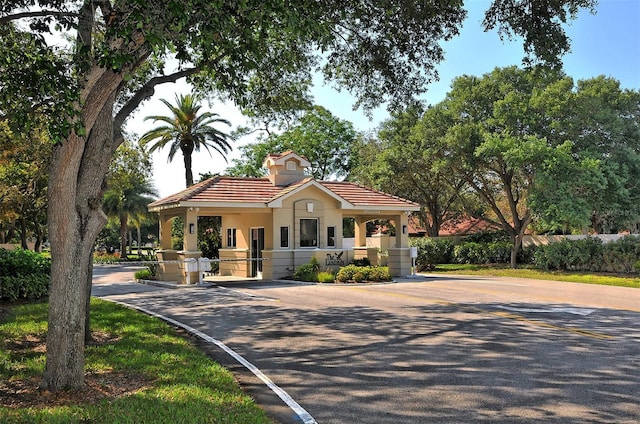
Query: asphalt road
(435,349)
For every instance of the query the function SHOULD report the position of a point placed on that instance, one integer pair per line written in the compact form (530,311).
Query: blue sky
(607,43)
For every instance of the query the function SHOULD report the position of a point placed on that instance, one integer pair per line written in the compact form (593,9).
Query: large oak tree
(325,140)
(258,52)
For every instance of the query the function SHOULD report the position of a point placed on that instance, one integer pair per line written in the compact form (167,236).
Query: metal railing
(191,265)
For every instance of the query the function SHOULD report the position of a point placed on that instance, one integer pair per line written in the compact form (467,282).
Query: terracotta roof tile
(359,195)
(224,189)
(184,194)
(260,190)
(236,189)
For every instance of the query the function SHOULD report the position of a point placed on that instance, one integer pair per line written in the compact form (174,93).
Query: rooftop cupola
(285,168)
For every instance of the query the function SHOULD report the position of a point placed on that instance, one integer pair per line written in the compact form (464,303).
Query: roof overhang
(277,202)
(204,205)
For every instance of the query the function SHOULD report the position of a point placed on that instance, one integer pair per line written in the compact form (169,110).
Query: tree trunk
(38,232)
(188,174)
(75,218)
(67,231)
(123,236)
(515,249)
(23,234)
(88,339)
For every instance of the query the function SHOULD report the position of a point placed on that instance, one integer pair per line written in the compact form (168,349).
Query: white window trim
(335,232)
(232,232)
(317,234)
(288,246)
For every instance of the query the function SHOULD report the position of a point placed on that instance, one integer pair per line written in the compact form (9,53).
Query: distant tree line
(526,149)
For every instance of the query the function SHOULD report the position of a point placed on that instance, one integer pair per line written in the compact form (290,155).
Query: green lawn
(523,272)
(169,379)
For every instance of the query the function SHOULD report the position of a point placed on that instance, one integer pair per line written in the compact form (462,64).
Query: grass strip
(140,370)
(524,272)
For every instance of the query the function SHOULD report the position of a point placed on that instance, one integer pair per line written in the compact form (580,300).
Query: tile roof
(359,195)
(262,191)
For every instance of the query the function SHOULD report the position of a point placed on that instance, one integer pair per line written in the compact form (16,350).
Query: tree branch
(147,91)
(37,14)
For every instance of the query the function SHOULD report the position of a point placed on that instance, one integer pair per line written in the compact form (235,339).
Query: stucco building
(274,224)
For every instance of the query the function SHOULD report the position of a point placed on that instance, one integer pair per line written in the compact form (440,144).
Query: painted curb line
(304,416)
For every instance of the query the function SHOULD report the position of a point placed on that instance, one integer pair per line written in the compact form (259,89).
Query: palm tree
(125,204)
(187,131)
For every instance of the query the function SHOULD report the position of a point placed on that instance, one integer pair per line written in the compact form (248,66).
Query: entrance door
(257,245)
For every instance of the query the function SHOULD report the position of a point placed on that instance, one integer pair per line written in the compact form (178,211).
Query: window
(308,233)
(331,236)
(231,237)
(291,166)
(284,236)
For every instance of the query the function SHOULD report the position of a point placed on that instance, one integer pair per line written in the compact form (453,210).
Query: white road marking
(494,283)
(286,398)
(251,295)
(575,311)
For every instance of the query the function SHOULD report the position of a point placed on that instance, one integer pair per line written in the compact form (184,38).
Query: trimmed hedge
(326,277)
(23,274)
(490,248)
(482,253)
(28,286)
(143,274)
(432,251)
(20,262)
(358,274)
(591,255)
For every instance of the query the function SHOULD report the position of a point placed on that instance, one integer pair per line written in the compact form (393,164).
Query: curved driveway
(434,349)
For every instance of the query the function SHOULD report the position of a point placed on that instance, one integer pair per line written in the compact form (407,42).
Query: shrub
(552,256)
(527,254)
(143,274)
(20,262)
(308,271)
(466,253)
(363,273)
(568,255)
(621,255)
(362,262)
(28,286)
(106,258)
(359,276)
(482,253)
(346,273)
(431,252)
(326,277)
(379,273)
(304,272)
(23,274)
(590,254)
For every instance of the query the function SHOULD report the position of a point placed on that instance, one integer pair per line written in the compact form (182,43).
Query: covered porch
(250,248)
(274,224)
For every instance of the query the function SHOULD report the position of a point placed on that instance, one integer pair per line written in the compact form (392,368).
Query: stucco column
(399,257)
(360,232)
(402,230)
(165,232)
(191,230)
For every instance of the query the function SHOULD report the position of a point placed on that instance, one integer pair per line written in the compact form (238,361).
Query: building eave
(277,201)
